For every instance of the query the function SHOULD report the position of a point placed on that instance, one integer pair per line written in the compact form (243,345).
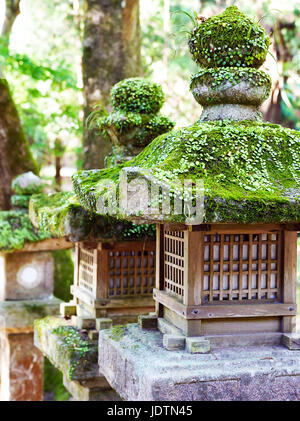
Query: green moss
(61,214)
(137,95)
(229,39)
(63,274)
(20,201)
(37,309)
(134,128)
(53,382)
(117,332)
(251,170)
(79,351)
(234,75)
(16,229)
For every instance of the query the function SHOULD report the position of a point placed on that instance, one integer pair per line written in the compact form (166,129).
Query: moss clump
(137,95)
(251,170)
(62,215)
(134,128)
(20,201)
(215,78)
(63,274)
(117,332)
(16,228)
(229,39)
(76,349)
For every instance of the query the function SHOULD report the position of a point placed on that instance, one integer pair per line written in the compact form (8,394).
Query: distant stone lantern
(115,260)
(26,293)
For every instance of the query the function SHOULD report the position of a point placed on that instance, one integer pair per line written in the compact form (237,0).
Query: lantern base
(268,372)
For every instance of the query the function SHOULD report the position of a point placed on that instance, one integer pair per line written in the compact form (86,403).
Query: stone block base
(21,368)
(138,367)
(80,370)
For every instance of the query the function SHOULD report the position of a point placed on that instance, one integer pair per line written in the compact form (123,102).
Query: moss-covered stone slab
(16,230)
(19,316)
(62,215)
(250,170)
(68,349)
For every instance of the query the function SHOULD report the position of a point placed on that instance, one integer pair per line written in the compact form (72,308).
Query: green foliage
(20,201)
(16,228)
(137,95)
(63,274)
(216,77)
(229,39)
(53,382)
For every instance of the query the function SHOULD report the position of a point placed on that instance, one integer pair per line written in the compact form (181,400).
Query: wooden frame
(115,278)
(264,263)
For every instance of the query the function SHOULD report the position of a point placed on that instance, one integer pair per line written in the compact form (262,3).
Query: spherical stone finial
(137,95)
(230,39)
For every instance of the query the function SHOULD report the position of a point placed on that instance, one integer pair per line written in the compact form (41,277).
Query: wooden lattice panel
(174,263)
(131,272)
(86,270)
(241,267)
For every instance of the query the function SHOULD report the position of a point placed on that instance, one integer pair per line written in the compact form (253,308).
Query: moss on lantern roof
(137,95)
(62,215)
(16,229)
(229,39)
(251,170)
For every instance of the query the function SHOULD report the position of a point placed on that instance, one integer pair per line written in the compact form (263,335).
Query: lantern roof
(249,169)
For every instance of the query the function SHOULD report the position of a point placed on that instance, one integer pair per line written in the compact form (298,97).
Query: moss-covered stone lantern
(26,292)
(115,259)
(234,270)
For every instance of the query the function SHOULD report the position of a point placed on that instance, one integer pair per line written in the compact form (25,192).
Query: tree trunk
(111,52)
(15,156)
(11,12)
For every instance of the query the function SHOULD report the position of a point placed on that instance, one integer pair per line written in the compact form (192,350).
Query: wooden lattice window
(174,263)
(241,267)
(86,270)
(131,272)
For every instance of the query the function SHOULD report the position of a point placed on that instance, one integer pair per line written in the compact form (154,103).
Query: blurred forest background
(61,57)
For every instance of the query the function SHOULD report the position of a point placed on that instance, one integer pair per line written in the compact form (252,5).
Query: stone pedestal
(138,367)
(21,368)
(21,364)
(76,356)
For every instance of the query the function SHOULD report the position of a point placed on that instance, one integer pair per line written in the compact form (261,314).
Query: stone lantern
(225,196)
(114,259)
(26,293)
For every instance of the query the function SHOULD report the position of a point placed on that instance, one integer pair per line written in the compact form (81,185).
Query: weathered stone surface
(291,340)
(27,275)
(173,342)
(230,93)
(197,345)
(66,348)
(103,323)
(19,316)
(96,389)
(83,322)
(236,112)
(139,368)
(21,368)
